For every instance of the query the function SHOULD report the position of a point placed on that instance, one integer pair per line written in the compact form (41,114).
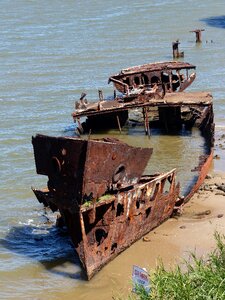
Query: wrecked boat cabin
(171,76)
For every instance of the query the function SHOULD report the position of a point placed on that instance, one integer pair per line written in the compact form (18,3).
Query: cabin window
(144,79)
(155,80)
(136,80)
(127,81)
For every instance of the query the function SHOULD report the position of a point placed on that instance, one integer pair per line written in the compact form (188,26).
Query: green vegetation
(203,279)
(89,203)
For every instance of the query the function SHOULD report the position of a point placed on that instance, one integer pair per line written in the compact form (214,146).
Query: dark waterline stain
(218,21)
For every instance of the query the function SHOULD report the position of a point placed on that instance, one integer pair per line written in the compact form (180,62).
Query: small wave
(40,231)
(221,126)
(71,127)
(28,223)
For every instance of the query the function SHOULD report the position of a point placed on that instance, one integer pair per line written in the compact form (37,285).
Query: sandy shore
(201,217)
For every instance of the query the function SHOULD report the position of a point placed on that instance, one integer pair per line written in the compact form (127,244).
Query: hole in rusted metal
(147,211)
(113,247)
(119,210)
(170,178)
(156,190)
(100,236)
(118,174)
(166,185)
(137,204)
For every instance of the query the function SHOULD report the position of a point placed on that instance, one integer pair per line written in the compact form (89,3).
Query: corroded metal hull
(102,229)
(120,210)
(81,170)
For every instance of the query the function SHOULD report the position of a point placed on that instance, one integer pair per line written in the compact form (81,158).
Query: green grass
(202,279)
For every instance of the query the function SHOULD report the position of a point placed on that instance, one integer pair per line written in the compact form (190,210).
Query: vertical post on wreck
(100,95)
(175,49)
(176,53)
(198,34)
(114,94)
(146,122)
(118,121)
(170,79)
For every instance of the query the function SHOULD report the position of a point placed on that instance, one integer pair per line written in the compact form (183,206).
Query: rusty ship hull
(103,217)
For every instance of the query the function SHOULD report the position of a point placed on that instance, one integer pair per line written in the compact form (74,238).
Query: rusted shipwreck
(99,190)
(98,187)
(172,75)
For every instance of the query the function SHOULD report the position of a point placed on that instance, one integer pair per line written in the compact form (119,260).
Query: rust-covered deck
(117,105)
(174,109)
